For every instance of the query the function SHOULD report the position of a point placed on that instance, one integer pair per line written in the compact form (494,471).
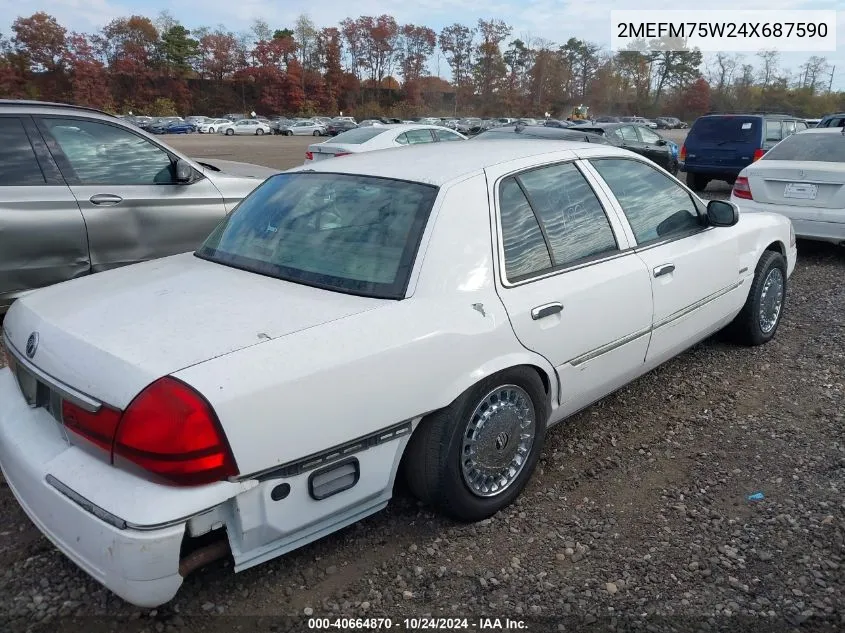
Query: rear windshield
(726,129)
(359,135)
(343,232)
(824,148)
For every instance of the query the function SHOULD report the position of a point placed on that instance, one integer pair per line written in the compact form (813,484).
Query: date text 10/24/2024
(417,624)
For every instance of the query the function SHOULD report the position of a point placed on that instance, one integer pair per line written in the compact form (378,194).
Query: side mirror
(661,142)
(722,213)
(184,171)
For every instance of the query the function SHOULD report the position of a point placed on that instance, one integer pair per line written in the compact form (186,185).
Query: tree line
(374,66)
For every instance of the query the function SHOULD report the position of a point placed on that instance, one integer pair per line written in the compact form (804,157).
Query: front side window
(572,216)
(343,232)
(19,164)
(656,206)
(100,153)
(445,135)
(648,136)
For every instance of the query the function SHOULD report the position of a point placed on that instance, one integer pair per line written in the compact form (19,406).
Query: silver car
(304,128)
(81,192)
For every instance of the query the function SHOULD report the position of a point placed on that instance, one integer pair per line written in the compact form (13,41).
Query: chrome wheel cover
(497,441)
(771,300)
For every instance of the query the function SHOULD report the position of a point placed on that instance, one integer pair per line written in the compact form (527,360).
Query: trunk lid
(798,183)
(322,151)
(111,334)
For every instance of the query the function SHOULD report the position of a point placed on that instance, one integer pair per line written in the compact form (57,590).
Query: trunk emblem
(801,174)
(31,344)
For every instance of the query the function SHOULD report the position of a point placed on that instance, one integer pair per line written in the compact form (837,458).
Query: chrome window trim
(577,264)
(82,400)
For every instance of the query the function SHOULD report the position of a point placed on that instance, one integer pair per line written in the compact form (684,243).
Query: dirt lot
(636,519)
(281,152)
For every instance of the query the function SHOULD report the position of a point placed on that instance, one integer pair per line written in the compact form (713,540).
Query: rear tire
(697,182)
(230,132)
(758,321)
(452,464)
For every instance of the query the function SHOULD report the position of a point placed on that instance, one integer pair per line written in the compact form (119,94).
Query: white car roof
(824,130)
(438,164)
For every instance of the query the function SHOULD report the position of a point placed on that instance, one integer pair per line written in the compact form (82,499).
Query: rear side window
(774,131)
(445,135)
(525,247)
(573,218)
(19,165)
(725,130)
(827,148)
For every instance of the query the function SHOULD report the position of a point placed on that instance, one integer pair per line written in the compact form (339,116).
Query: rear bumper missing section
(140,566)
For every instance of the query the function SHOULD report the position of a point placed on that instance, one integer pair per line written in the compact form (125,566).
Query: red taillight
(171,431)
(168,430)
(742,189)
(309,155)
(758,154)
(683,154)
(98,428)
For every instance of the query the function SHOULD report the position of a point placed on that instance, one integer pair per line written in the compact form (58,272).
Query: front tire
(316,133)
(288,133)
(758,321)
(259,132)
(474,457)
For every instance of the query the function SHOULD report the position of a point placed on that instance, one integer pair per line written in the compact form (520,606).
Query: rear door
(133,206)
(725,142)
(574,291)
(42,232)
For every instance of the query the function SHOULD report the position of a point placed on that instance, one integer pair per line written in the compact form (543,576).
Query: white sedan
(375,137)
(210,126)
(803,178)
(425,313)
(245,127)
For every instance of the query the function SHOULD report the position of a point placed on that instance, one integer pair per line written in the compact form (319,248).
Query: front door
(694,268)
(134,208)
(573,291)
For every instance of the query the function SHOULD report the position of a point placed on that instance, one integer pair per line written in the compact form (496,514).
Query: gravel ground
(636,519)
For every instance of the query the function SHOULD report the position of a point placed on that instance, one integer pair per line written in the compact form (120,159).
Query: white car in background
(426,312)
(245,127)
(211,126)
(303,128)
(803,178)
(375,137)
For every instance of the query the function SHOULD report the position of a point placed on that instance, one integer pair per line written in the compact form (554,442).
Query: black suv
(833,120)
(719,146)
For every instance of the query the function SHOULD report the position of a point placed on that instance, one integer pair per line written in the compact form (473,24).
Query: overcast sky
(555,20)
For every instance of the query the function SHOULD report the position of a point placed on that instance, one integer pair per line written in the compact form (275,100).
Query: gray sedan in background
(82,191)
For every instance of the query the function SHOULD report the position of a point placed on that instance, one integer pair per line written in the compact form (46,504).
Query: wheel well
(777,247)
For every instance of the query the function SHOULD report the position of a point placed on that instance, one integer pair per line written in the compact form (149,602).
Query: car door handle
(105,199)
(665,269)
(547,309)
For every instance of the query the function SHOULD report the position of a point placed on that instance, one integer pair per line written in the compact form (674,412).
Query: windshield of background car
(359,135)
(342,232)
(823,148)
